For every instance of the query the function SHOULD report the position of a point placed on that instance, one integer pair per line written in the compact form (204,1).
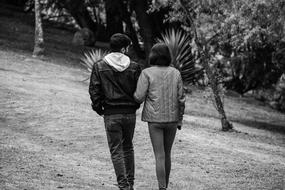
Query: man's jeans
(120,132)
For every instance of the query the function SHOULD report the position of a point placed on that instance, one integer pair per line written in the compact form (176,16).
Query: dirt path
(51,139)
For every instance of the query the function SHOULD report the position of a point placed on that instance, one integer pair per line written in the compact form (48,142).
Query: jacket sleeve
(181,98)
(95,90)
(142,87)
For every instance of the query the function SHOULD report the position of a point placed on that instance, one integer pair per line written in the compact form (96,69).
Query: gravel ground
(51,139)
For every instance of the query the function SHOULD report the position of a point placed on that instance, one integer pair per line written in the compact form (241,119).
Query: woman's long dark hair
(160,55)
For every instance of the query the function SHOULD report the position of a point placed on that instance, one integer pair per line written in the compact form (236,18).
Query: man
(112,85)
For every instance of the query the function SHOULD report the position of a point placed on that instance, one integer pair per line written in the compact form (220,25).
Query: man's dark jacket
(112,91)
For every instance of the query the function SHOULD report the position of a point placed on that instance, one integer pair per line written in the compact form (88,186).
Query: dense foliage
(246,33)
(242,38)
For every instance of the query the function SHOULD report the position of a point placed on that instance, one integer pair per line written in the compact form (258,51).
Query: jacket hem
(119,110)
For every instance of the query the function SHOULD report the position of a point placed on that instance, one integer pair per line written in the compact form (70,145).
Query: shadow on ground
(279,128)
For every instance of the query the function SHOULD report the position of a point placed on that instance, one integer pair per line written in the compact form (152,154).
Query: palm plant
(178,43)
(91,57)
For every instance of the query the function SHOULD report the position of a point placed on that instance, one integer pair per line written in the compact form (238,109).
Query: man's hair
(119,41)
(160,55)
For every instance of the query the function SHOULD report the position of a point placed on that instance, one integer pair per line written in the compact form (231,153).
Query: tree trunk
(144,21)
(226,125)
(114,17)
(79,12)
(157,21)
(206,57)
(130,31)
(39,39)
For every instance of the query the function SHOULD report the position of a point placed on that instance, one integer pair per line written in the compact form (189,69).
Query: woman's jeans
(162,137)
(120,131)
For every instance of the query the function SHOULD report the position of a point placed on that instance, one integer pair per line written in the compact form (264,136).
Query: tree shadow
(279,128)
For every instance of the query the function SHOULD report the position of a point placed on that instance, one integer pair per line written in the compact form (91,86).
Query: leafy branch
(205,58)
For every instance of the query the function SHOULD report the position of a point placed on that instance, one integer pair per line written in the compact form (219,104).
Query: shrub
(91,57)
(178,43)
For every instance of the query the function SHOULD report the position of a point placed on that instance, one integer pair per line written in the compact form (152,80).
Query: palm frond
(91,57)
(178,43)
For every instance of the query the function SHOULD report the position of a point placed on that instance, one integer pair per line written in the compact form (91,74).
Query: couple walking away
(118,87)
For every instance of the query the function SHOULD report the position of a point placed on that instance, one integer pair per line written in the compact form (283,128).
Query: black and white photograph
(142,94)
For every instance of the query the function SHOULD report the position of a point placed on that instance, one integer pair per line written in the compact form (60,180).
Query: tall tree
(127,10)
(114,16)
(39,36)
(78,9)
(141,8)
(151,21)
(206,58)
(79,12)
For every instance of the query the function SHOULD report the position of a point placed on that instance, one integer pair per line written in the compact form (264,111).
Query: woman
(160,86)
